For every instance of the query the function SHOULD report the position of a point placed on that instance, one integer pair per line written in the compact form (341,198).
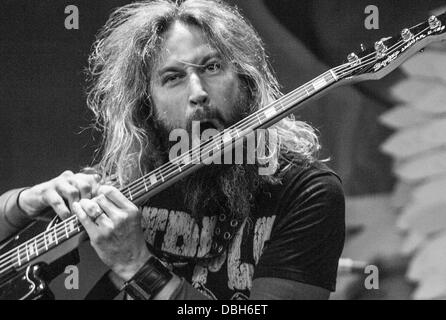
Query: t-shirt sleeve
(308,235)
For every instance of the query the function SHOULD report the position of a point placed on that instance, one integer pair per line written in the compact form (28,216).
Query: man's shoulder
(310,189)
(304,175)
(302,189)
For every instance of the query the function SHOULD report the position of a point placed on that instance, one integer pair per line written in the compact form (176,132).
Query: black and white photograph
(222,150)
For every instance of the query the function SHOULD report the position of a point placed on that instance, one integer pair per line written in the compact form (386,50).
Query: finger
(93,211)
(83,218)
(116,197)
(87,184)
(67,173)
(111,210)
(92,171)
(55,201)
(67,191)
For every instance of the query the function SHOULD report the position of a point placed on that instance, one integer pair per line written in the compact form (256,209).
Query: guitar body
(31,281)
(28,263)
(28,284)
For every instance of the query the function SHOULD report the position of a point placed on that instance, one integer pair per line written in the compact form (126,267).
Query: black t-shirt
(296,232)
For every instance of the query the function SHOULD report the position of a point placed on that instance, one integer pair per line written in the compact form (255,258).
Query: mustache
(205,115)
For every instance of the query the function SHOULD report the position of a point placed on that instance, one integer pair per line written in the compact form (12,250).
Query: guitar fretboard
(135,191)
(256,120)
(42,243)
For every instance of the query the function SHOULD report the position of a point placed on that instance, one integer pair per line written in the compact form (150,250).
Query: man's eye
(171,78)
(213,67)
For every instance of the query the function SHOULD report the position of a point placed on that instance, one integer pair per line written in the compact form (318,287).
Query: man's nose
(198,95)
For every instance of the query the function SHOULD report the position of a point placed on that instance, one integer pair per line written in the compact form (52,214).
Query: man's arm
(12,217)
(18,207)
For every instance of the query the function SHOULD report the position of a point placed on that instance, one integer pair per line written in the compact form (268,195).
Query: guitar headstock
(389,53)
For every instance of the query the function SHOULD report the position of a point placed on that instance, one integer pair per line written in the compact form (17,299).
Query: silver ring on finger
(97,214)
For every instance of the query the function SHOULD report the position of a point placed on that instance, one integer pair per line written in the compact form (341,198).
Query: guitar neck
(371,64)
(159,179)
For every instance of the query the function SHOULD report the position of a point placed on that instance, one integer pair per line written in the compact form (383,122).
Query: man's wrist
(149,280)
(22,205)
(127,272)
(12,212)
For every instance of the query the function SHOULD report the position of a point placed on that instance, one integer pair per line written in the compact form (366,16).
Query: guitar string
(60,228)
(253,118)
(59,232)
(363,64)
(139,186)
(269,106)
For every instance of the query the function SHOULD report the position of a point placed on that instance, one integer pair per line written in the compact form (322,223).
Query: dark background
(44,119)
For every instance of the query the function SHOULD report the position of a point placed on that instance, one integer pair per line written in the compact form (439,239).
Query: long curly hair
(119,70)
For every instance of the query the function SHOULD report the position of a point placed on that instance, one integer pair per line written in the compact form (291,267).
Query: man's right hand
(59,194)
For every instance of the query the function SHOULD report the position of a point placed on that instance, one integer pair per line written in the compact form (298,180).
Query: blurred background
(385,138)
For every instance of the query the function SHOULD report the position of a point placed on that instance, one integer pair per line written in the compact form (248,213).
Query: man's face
(192,82)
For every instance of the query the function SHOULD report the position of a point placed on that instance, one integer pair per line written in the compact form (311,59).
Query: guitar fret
(26,251)
(44,240)
(236,131)
(333,74)
(145,184)
(50,237)
(186,159)
(30,249)
(18,257)
(55,235)
(262,117)
(258,118)
(130,194)
(281,107)
(35,245)
(66,230)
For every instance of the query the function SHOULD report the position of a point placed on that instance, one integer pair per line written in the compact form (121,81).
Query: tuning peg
(353,59)
(406,35)
(434,23)
(380,48)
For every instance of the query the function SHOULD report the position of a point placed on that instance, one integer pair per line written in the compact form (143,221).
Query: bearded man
(224,232)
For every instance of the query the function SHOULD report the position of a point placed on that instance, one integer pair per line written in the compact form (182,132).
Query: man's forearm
(12,218)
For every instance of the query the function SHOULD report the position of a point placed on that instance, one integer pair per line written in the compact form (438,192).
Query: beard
(216,188)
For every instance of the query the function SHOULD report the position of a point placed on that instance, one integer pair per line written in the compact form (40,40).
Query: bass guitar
(22,260)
